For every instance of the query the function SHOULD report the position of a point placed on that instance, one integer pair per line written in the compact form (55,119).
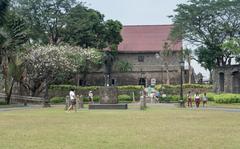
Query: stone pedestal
(108,99)
(108,95)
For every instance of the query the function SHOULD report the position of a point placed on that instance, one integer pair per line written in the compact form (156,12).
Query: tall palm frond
(3,8)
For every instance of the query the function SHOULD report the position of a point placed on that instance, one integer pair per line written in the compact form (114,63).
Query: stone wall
(150,68)
(227,79)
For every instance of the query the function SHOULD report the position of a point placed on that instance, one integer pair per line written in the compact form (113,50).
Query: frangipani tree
(44,63)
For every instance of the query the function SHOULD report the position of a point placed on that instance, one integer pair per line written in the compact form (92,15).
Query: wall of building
(150,68)
(227,79)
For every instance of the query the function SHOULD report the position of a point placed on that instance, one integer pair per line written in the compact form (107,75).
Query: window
(141,58)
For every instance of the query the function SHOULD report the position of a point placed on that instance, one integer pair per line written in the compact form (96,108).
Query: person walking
(189,99)
(90,97)
(204,99)
(197,100)
(73,100)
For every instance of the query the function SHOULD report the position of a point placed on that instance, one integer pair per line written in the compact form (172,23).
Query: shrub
(3,103)
(131,87)
(227,98)
(95,98)
(55,100)
(68,87)
(124,97)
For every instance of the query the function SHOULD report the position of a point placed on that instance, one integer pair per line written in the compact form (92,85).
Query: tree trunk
(189,71)
(210,78)
(168,79)
(46,102)
(9,93)
(7,82)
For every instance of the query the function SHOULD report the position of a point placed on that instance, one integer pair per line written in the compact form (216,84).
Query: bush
(55,100)
(131,87)
(227,98)
(124,98)
(95,99)
(3,103)
(68,87)
(171,98)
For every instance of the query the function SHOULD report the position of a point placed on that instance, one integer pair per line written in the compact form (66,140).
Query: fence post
(142,103)
(67,102)
(81,103)
(133,97)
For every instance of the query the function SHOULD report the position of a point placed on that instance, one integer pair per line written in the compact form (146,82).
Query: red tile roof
(146,38)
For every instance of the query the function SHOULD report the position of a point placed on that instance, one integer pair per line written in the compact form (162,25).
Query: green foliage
(207,24)
(233,45)
(45,18)
(69,87)
(56,100)
(174,89)
(123,66)
(3,9)
(96,99)
(86,27)
(131,87)
(3,103)
(124,98)
(227,98)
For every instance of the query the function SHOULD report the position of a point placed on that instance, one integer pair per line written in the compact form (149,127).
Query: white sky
(140,12)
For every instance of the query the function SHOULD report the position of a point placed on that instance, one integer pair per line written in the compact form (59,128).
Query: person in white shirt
(72,99)
(90,96)
(204,99)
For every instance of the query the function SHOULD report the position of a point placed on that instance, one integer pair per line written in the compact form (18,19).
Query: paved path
(174,105)
(167,105)
(19,107)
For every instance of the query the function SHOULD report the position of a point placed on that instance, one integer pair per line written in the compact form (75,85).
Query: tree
(3,9)
(166,53)
(188,56)
(233,44)
(12,37)
(86,61)
(85,27)
(207,24)
(44,63)
(45,18)
(124,66)
(204,57)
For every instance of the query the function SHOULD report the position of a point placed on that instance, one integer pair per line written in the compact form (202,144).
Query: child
(189,99)
(73,100)
(197,100)
(205,99)
(90,96)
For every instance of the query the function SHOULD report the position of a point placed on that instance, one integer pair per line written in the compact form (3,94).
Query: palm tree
(3,9)
(12,36)
(167,53)
(188,56)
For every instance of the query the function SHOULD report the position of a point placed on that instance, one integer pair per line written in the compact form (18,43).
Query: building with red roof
(142,57)
(146,38)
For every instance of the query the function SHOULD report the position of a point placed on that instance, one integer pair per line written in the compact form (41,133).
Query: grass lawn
(155,128)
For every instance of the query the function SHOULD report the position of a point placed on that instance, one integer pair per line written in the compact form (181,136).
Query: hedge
(92,88)
(124,98)
(69,87)
(227,98)
(55,100)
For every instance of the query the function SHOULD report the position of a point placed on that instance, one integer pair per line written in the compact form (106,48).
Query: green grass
(155,128)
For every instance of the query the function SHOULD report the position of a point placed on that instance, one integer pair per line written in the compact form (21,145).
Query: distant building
(227,79)
(140,47)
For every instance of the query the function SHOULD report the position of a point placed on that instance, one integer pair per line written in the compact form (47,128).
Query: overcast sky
(140,12)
